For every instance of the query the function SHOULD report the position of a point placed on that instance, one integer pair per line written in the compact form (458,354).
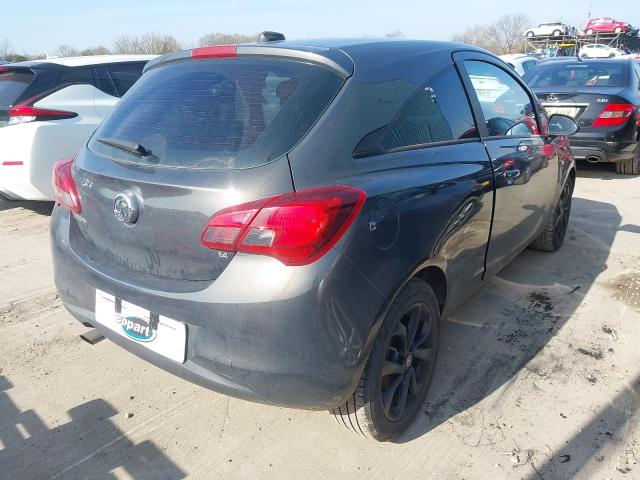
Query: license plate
(159,334)
(569,111)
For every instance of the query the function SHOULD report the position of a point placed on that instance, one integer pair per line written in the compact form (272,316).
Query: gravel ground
(539,377)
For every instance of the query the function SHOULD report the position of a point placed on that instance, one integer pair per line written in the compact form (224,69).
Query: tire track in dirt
(25,309)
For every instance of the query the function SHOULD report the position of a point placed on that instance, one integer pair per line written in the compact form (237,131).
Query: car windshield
(12,85)
(577,75)
(218,113)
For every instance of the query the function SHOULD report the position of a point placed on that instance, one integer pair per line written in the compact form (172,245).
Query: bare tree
(218,38)
(482,36)
(503,36)
(395,34)
(5,46)
(95,51)
(508,32)
(127,44)
(67,51)
(151,43)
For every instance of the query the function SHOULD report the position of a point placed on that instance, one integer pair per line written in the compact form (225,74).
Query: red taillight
(614,114)
(65,192)
(296,228)
(215,51)
(26,113)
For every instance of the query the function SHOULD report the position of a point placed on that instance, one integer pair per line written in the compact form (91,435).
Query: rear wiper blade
(132,148)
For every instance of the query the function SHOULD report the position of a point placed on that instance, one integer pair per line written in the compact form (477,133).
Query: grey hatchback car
(287,222)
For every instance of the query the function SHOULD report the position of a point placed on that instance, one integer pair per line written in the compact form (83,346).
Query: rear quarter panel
(430,206)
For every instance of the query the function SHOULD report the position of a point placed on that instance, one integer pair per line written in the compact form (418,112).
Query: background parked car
(553,29)
(520,62)
(605,25)
(604,97)
(49,108)
(598,50)
(329,200)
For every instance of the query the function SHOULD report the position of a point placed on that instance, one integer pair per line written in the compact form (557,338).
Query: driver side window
(506,106)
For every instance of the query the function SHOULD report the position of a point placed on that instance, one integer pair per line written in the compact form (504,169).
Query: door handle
(520,147)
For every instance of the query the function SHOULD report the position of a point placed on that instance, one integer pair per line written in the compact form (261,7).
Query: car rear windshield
(218,113)
(13,83)
(578,75)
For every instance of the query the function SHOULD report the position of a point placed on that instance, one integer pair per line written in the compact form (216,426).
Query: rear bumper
(15,184)
(36,146)
(290,336)
(599,150)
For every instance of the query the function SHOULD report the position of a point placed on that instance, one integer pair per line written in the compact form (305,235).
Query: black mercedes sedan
(604,97)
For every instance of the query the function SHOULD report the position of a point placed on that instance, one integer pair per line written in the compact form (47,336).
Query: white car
(520,62)
(48,110)
(598,50)
(554,29)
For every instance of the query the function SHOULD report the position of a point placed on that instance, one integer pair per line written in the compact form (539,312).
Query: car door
(525,162)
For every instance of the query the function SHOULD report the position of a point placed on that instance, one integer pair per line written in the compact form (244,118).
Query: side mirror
(562,125)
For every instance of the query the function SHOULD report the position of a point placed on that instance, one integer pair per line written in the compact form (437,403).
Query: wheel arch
(437,280)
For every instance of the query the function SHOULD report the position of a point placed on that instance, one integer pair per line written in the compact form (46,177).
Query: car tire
(530,34)
(617,30)
(400,367)
(630,167)
(590,31)
(552,237)
(584,55)
(612,55)
(557,33)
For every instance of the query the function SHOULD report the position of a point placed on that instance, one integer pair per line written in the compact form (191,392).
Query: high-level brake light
(215,51)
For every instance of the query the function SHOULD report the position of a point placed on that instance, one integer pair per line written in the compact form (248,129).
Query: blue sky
(38,26)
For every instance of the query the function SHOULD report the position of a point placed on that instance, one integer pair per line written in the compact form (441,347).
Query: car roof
(516,56)
(576,60)
(86,60)
(378,44)
(342,53)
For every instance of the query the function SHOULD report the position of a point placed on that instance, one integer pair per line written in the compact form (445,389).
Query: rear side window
(577,75)
(437,112)
(12,85)
(103,81)
(125,75)
(218,113)
(77,76)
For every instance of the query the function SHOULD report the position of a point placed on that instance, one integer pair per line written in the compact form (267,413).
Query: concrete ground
(538,378)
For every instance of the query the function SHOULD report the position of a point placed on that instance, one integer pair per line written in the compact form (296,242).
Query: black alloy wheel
(563,211)
(408,366)
(552,237)
(400,367)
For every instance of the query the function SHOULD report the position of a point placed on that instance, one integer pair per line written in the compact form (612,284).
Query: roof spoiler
(332,58)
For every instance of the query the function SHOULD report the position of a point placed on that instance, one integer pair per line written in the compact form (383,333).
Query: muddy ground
(538,378)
